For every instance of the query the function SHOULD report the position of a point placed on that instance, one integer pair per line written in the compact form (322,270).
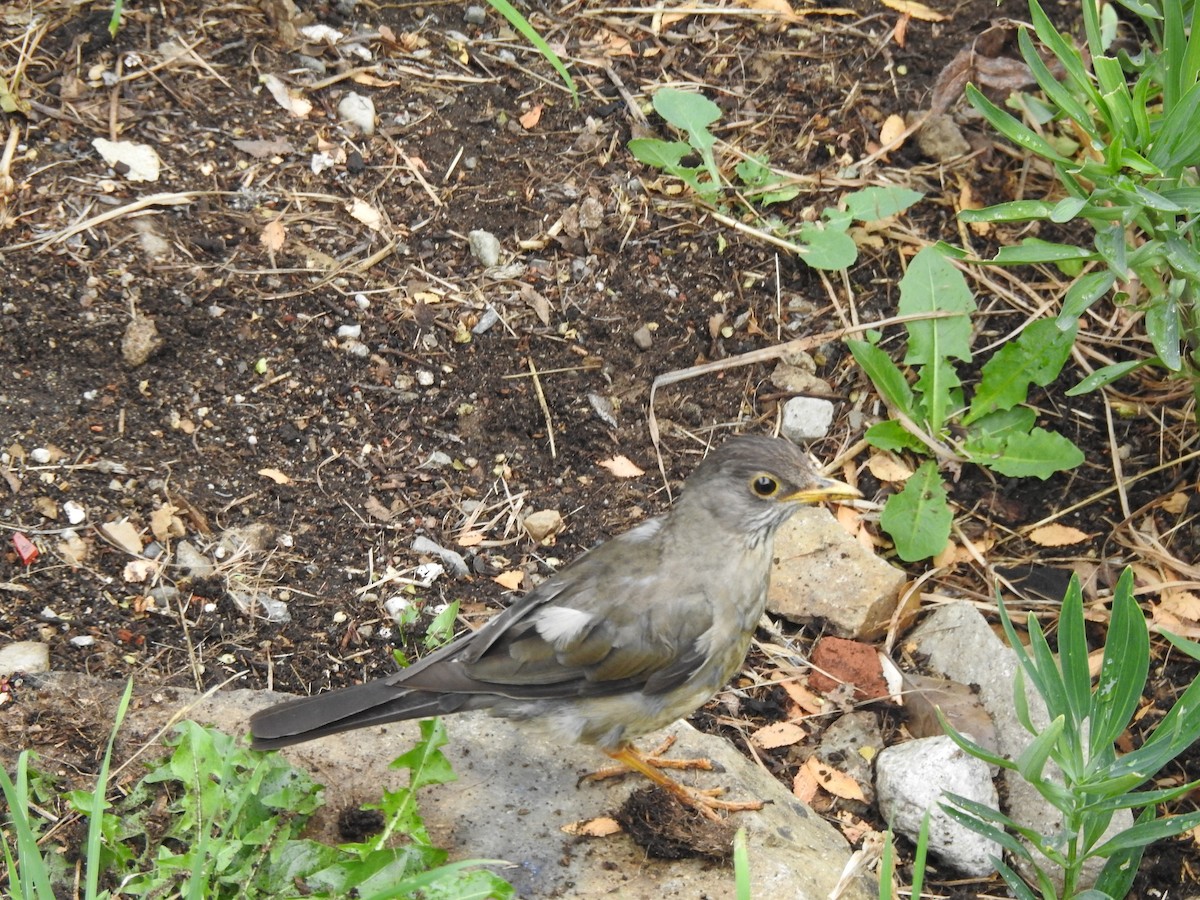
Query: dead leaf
(46,507)
(916,10)
(531,118)
(805,786)
(806,700)
(275,475)
(367,214)
(602,826)
(900,32)
(837,783)
(891,130)
(1175,504)
(164,524)
(778,734)
(1183,604)
(138,570)
(1058,536)
(376,510)
(622,467)
(124,535)
(296,105)
(510,580)
(470,539)
(273,235)
(780,8)
(266,149)
(74,550)
(888,467)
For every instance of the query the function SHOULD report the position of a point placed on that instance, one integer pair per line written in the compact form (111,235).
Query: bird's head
(753,484)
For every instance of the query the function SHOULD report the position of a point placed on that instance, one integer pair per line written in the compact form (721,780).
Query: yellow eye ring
(764,485)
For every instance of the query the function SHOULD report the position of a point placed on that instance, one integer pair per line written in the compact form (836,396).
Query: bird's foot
(650,765)
(652,758)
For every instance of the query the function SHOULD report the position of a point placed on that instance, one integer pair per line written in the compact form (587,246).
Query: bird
(636,633)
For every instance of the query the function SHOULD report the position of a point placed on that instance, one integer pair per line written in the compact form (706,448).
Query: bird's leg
(653,758)
(703,801)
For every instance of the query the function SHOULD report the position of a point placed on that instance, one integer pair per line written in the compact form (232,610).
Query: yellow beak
(825,489)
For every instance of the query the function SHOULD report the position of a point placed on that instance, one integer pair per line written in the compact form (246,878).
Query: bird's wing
(603,627)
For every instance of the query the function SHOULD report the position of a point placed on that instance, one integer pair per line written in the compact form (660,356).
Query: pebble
(452,559)
(543,524)
(82,641)
(75,512)
(353,332)
(395,606)
(475,15)
(261,606)
(425,378)
(806,419)
(359,112)
(40,455)
(643,338)
(485,247)
(489,318)
(362,301)
(24,656)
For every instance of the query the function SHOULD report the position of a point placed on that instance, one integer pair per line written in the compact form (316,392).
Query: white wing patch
(559,625)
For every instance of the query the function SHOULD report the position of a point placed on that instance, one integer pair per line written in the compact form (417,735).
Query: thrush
(634,634)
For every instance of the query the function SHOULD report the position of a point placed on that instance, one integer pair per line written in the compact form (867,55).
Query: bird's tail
(333,712)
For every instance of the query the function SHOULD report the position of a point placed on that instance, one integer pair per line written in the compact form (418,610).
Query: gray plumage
(634,634)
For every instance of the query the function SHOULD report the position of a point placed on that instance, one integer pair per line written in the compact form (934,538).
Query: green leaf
(1107,375)
(1145,833)
(1038,454)
(1124,668)
(1086,290)
(660,154)
(1012,211)
(1035,357)
(1073,655)
(426,763)
(1012,129)
(874,203)
(936,385)
(521,25)
(891,435)
(888,379)
(918,518)
(824,247)
(1164,328)
(1033,759)
(1035,250)
(932,286)
(687,111)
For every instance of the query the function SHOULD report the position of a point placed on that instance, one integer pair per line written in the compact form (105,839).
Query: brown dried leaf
(275,475)
(1058,536)
(273,236)
(622,467)
(837,783)
(602,826)
(778,734)
(531,118)
(888,467)
(916,10)
(510,580)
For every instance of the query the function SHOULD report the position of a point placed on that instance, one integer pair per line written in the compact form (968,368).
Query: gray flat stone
(516,792)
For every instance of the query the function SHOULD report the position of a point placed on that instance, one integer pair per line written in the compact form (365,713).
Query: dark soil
(363,453)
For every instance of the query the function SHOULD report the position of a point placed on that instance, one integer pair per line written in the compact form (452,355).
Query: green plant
(887,863)
(214,820)
(1120,132)
(1085,723)
(822,244)
(527,31)
(932,416)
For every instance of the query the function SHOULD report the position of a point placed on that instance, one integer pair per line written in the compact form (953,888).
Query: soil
(315,392)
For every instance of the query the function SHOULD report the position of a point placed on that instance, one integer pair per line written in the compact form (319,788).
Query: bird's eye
(764,485)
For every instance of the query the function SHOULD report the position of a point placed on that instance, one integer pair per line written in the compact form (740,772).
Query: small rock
(359,112)
(82,641)
(912,777)
(40,455)
(489,318)
(75,512)
(438,459)
(426,547)
(806,419)
(395,607)
(475,15)
(261,606)
(192,562)
(798,380)
(591,213)
(352,332)
(643,338)
(24,656)
(484,247)
(141,340)
(941,139)
(425,378)
(543,524)
(838,661)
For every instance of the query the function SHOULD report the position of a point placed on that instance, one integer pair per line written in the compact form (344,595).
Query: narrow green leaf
(891,435)
(1033,759)
(1124,668)
(1164,328)
(1073,655)
(1055,90)
(1064,52)
(1012,211)
(918,518)
(1034,250)
(1175,143)
(1086,290)
(1008,126)
(1121,867)
(936,384)
(888,381)
(1107,375)
(1145,833)
(521,25)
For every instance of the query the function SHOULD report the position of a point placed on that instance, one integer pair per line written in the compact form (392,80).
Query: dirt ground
(278,346)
